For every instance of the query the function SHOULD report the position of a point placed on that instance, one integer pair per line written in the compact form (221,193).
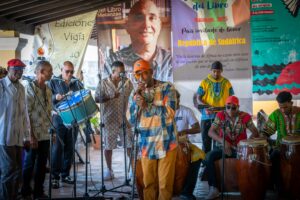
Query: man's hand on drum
(227,149)
(59,97)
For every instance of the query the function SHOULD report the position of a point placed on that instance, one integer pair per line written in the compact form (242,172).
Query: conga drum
(290,165)
(253,168)
(182,164)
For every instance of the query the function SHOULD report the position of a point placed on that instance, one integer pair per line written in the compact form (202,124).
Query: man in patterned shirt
(285,121)
(38,97)
(213,92)
(235,123)
(154,105)
(13,129)
(113,96)
(144,26)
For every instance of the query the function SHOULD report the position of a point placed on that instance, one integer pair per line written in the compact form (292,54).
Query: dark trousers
(10,167)
(35,166)
(210,159)
(206,140)
(191,178)
(275,170)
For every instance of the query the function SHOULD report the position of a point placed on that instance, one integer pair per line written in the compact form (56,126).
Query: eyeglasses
(233,108)
(141,73)
(69,71)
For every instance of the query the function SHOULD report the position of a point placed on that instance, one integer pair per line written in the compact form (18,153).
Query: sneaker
(213,193)
(55,184)
(108,175)
(67,180)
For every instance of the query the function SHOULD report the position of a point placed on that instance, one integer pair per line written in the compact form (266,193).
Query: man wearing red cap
(235,123)
(13,129)
(154,103)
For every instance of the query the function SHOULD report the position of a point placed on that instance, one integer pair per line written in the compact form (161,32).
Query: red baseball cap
(232,100)
(15,63)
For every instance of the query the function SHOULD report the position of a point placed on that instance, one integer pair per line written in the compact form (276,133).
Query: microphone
(28,78)
(122,74)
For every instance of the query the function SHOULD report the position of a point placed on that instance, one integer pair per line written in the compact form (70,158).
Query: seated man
(285,121)
(187,123)
(234,122)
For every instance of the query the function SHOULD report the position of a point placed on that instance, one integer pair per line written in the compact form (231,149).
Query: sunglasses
(141,73)
(69,71)
(233,108)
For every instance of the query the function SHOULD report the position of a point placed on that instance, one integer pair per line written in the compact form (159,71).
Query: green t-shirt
(278,122)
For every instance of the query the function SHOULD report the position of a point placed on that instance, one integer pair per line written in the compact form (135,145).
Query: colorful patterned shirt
(214,93)
(234,131)
(283,124)
(156,124)
(14,127)
(39,110)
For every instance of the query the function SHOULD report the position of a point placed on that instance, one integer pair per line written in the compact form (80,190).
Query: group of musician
(28,113)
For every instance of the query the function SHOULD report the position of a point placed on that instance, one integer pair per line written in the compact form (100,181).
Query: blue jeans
(10,167)
(210,159)
(191,178)
(35,159)
(62,155)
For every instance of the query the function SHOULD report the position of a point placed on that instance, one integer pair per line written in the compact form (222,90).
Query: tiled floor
(94,180)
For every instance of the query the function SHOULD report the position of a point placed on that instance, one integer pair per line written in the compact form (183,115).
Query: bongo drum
(182,164)
(290,165)
(253,168)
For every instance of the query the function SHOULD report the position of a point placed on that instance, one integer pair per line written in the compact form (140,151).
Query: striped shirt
(156,124)
(214,93)
(14,127)
(161,63)
(39,115)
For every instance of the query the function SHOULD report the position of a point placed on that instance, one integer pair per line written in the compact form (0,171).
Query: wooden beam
(20,27)
(33,5)
(60,9)
(72,13)
(43,9)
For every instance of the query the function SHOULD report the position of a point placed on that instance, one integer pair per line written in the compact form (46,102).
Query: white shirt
(13,113)
(184,118)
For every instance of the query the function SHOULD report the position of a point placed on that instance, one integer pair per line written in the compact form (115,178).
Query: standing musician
(154,105)
(213,92)
(187,124)
(13,129)
(63,154)
(285,121)
(38,97)
(111,97)
(235,123)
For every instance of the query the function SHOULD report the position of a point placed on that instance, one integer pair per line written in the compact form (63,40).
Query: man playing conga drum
(234,122)
(154,103)
(285,121)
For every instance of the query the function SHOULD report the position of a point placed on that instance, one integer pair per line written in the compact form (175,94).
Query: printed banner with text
(62,40)
(275,48)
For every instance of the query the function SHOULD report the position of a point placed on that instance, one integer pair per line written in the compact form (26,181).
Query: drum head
(253,142)
(291,139)
(73,99)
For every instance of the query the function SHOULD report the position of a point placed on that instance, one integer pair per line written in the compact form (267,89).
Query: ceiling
(24,15)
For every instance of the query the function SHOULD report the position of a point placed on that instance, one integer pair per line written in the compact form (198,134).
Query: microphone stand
(223,161)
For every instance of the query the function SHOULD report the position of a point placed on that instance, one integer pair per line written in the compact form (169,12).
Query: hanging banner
(62,40)
(275,48)
(205,31)
(133,30)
